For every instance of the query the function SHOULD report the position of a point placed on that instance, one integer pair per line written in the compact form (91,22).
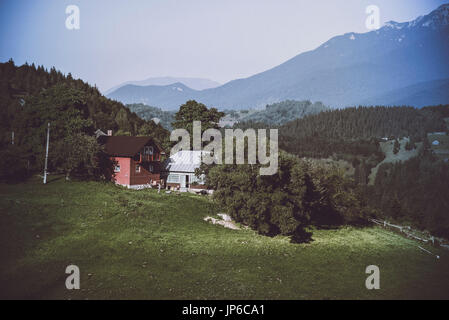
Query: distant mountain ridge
(193,83)
(427,93)
(344,71)
(168,97)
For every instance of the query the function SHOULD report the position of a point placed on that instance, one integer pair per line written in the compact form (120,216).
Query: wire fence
(411,233)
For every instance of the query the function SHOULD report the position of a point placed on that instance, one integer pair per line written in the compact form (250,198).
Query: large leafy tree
(269,204)
(157,132)
(195,111)
(299,195)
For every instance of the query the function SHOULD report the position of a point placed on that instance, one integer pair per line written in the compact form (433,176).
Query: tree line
(356,131)
(281,112)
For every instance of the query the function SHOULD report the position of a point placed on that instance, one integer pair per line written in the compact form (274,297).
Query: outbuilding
(179,171)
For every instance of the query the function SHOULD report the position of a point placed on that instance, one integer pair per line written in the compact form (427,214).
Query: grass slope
(140,244)
(387,148)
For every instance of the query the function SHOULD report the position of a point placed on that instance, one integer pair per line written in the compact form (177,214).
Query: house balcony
(148,158)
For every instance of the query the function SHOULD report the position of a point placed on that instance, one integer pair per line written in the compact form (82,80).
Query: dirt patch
(224,221)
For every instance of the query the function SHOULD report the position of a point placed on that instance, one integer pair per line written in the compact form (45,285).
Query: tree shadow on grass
(301,236)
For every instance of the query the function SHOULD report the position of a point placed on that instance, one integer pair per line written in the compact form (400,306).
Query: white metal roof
(183,161)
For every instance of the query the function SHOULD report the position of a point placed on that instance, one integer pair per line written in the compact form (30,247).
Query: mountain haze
(427,93)
(349,69)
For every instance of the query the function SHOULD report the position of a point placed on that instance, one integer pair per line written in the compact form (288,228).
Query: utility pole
(46,154)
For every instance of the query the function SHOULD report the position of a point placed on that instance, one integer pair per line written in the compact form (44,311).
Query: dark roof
(125,146)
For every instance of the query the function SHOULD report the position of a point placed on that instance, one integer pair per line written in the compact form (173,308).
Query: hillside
(344,71)
(403,154)
(433,92)
(143,245)
(34,97)
(153,113)
(398,155)
(20,84)
(285,111)
(356,131)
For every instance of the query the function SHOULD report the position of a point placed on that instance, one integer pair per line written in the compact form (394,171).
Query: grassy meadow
(144,245)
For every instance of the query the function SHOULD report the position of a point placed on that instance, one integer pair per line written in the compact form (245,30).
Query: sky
(222,40)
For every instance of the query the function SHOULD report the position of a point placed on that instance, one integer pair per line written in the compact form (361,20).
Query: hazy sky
(221,40)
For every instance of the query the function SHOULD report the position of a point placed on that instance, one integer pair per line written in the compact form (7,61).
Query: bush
(13,164)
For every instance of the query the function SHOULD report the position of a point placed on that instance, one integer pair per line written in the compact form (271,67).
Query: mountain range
(194,83)
(400,63)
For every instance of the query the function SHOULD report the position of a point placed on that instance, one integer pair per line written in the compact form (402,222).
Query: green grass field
(144,245)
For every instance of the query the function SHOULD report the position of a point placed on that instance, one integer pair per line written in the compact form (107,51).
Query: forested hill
(31,97)
(19,84)
(346,130)
(148,113)
(366,123)
(408,191)
(285,111)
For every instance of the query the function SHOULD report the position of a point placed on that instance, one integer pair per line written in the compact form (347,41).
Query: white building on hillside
(179,171)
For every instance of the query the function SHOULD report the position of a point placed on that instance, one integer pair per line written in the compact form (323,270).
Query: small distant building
(99,133)
(179,171)
(137,160)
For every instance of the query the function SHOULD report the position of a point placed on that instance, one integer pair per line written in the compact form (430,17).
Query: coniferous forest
(356,130)
(31,97)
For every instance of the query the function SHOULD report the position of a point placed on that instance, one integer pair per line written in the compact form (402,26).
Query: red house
(137,159)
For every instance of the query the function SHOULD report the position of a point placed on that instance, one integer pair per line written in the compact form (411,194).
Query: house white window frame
(151,168)
(117,168)
(174,178)
(138,169)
